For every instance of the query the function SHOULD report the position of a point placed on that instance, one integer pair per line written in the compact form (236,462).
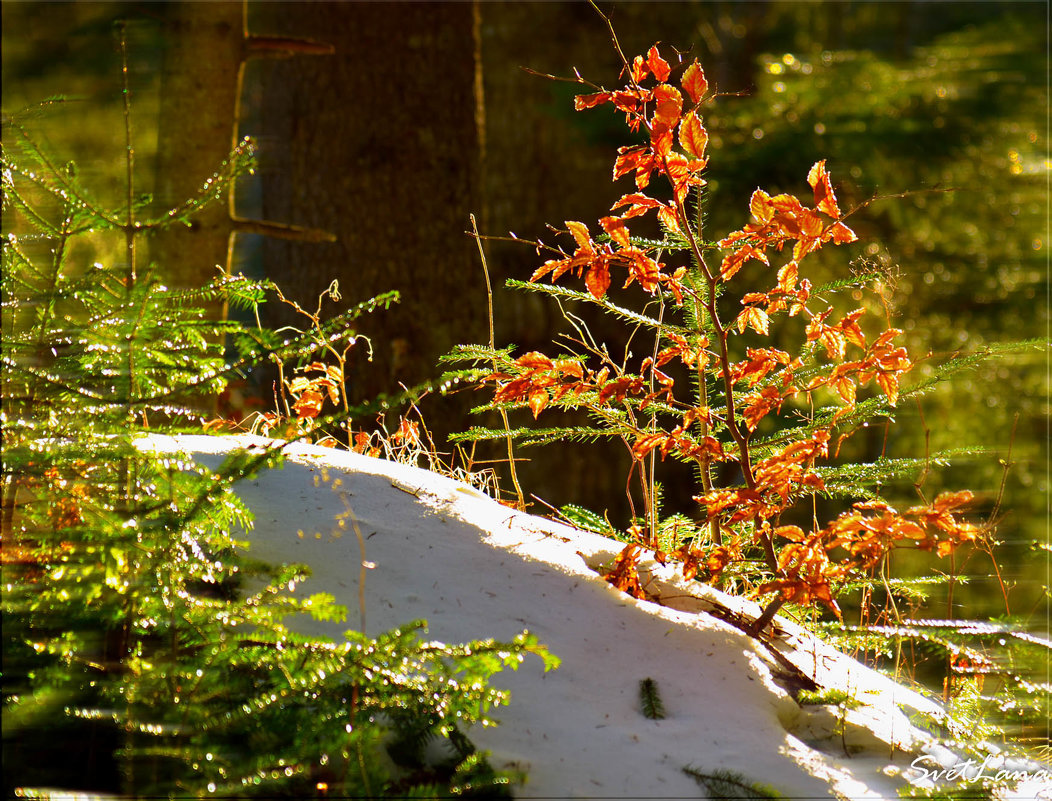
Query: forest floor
(439,550)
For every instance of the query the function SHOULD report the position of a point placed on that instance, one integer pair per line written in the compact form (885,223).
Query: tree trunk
(380,145)
(197,128)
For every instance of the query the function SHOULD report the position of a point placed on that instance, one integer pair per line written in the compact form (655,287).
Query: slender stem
(709,300)
(279,230)
(126,478)
(492,347)
(705,462)
(652,510)
(613,36)
(705,465)
(885,577)
(257,46)
(1007,465)
(129,223)
(742,441)
(767,615)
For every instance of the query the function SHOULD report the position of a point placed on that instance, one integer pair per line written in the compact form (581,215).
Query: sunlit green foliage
(726,784)
(144,651)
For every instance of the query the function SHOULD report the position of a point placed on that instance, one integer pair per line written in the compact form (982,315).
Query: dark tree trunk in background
(390,145)
(382,145)
(379,145)
(206,49)
(197,128)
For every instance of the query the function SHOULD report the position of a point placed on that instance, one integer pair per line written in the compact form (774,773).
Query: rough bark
(378,144)
(197,128)
(392,142)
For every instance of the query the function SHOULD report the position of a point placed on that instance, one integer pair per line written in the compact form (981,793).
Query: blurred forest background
(379,140)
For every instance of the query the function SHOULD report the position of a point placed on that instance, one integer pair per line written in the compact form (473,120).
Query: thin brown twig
(613,36)
(987,544)
(576,79)
(492,347)
(129,223)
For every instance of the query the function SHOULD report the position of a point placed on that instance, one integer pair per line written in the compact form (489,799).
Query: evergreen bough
(144,650)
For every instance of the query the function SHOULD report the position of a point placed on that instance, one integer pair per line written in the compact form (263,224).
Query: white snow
(440,550)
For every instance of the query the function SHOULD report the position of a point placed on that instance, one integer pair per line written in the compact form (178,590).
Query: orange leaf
(615,227)
(534,360)
(830,336)
(884,340)
(619,387)
(840,234)
(582,102)
(646,444)
(694,82)
(580,233)
(734,261)
(759,363)
(825,200)
(658,65)
(712,448)
(331,389)
(834,342)
(692,136)
(639,69)
(951,500)
(718,559)
(761,207)
(754,317)
(682,350)
(787,277)
(628,159)
(889,384)
(681,173)
(299,384)
(569,367)
(668,218)
(792,533)
(788,205)
(852,332)
(759,404)
(538,400)
(637,158)
(408,431)
(644,269)
(845,387)
(715,501)
(624,575)
(598,279)
(631,102)
(668,105)
(638,204)
(554,266)
(661,141)
(308,405)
